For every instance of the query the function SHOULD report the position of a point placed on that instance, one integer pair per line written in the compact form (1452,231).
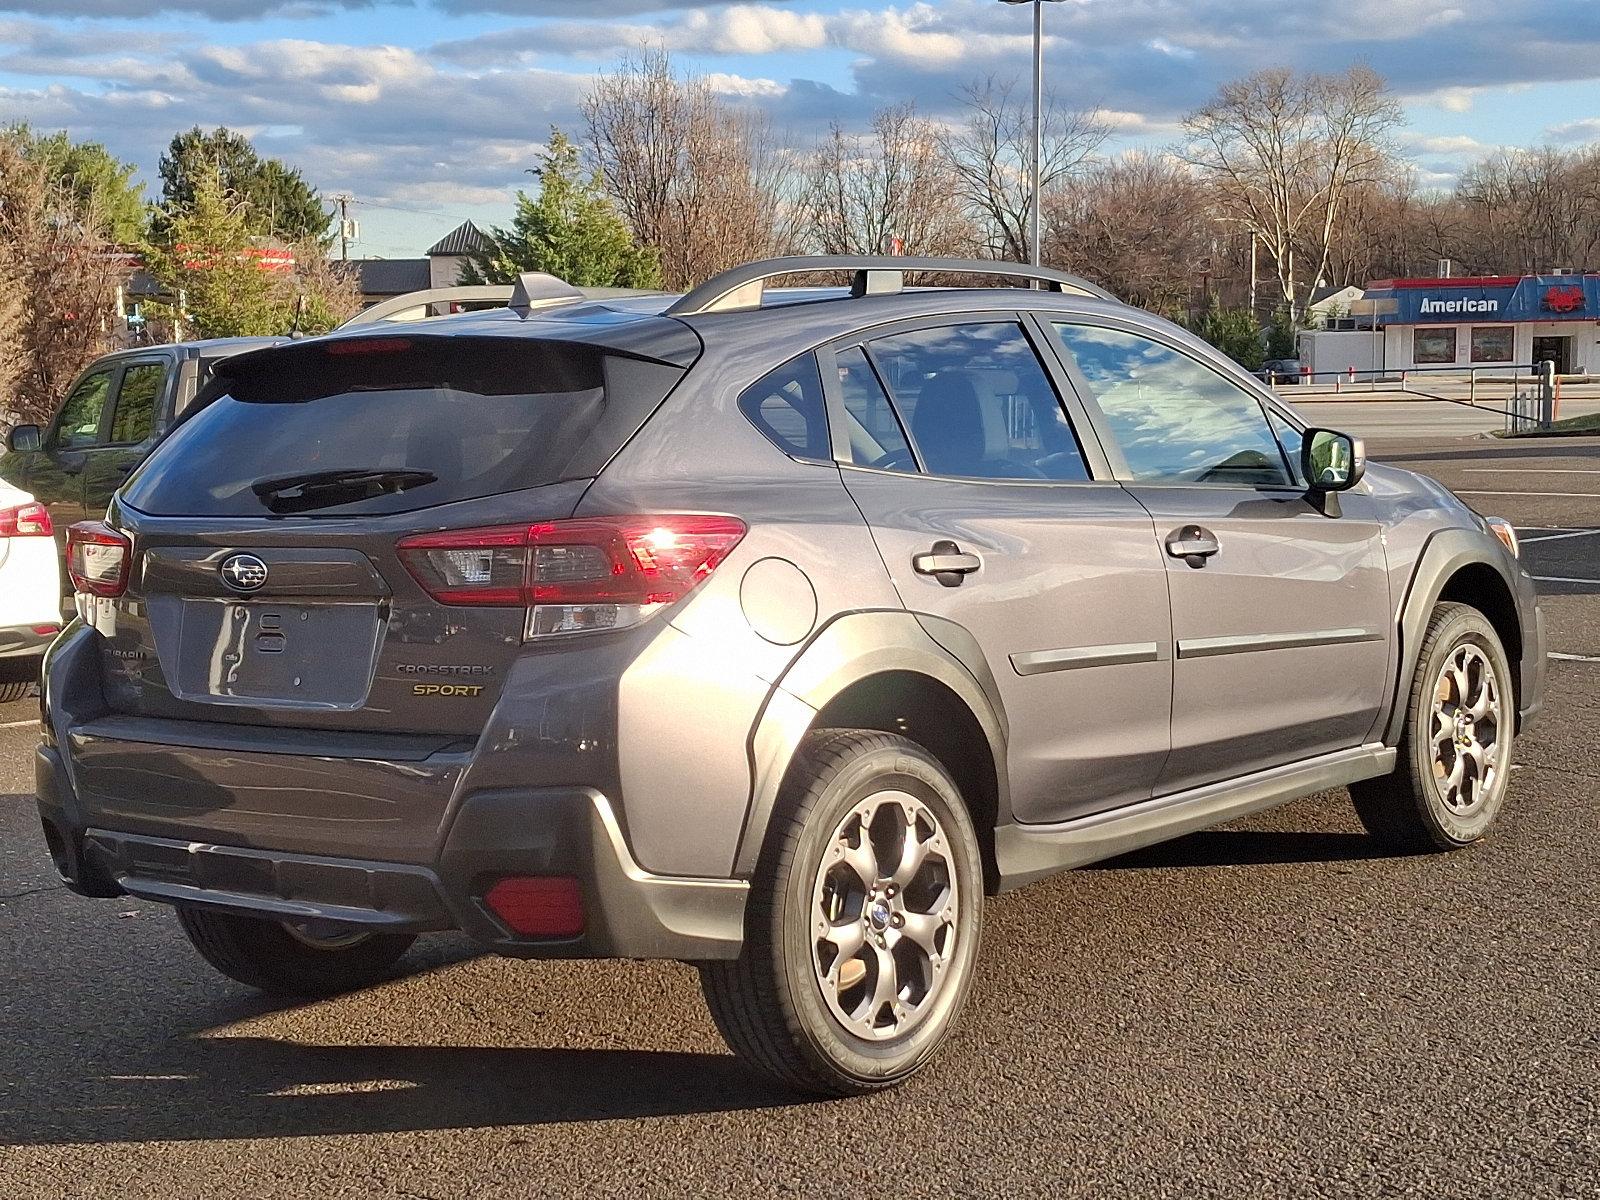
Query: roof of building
(393,276)
(1328,291)
(465,238)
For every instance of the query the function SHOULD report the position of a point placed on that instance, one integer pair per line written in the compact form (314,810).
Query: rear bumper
(572,832)
(26,642)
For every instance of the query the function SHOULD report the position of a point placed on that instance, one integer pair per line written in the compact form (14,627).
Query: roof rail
(743,287)
(532,291)
(399,306)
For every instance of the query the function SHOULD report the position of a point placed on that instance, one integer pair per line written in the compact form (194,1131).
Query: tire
(290,961)
(894,1000)
(10,692)
(1416,809)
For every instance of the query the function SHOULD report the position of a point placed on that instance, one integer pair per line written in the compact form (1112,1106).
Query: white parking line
(1532,470)
(1575,657)
(1558,495)
(1556,537)
(19,724)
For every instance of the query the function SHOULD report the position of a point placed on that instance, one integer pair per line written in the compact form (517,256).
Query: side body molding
(850,648)
(1445,553)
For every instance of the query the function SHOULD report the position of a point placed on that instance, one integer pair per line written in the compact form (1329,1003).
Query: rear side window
(876,439)
(788,407)
(978,403)
(417,421)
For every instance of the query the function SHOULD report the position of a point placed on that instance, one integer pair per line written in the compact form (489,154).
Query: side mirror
(1330,461)
(23,438)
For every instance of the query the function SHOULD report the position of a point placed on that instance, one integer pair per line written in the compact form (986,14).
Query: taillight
(576,576)
(98,558)
(26,520)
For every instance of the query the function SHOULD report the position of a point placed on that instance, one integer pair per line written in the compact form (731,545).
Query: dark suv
(765,630)
(114,412)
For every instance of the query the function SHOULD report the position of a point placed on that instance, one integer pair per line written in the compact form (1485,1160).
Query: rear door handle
(947,563)
(1193,543)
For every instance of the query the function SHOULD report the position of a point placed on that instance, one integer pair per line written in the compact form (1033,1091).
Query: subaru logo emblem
(243,572)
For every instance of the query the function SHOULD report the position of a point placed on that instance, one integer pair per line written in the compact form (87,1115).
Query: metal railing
(1531,399)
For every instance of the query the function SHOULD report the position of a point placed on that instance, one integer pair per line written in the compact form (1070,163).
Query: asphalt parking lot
(1267,1010)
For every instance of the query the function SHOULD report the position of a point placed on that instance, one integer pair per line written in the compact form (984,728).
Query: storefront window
(1491,343)
(1434,346)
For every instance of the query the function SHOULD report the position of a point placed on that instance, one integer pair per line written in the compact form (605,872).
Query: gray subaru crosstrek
(768,630)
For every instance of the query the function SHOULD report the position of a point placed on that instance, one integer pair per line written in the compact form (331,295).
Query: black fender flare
(850,648)
(1445,553)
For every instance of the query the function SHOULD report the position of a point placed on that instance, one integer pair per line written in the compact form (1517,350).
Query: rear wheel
(1454,761)
(296,958)
(862,927)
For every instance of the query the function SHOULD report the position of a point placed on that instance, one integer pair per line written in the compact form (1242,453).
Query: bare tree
(63,271)
(1140,225)
(1529,211)
(865,193)
(1285,151)
(991,153)
(694,176)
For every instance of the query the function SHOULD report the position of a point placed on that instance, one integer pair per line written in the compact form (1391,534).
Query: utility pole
(344,200)
(1253,274)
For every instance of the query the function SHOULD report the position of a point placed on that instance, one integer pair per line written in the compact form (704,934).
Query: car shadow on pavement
(1250,847)
(223,1087)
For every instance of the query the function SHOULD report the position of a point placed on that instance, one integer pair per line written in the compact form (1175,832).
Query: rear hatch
(266,583)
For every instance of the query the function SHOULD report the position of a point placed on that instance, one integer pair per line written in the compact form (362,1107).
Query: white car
(30,590)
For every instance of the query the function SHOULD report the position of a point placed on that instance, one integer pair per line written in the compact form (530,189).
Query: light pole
(1038,120)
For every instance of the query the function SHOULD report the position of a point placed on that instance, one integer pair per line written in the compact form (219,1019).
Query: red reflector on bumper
(538,906)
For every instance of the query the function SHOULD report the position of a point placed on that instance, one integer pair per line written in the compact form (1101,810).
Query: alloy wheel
(1464,730)
(884,916)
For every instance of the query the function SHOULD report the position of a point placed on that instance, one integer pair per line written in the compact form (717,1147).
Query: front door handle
(947,563)
(1193,543)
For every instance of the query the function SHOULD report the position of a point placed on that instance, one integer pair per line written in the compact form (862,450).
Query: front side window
(135,413)
(1175,419)
(978,403)
(80,415)
(1433,346)
(1493,343)
(788,407)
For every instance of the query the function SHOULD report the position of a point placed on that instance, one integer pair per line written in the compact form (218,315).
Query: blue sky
(429,111)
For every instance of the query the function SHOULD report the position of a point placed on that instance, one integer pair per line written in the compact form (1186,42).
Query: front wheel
(293,958)
(1454,760)
(861,932)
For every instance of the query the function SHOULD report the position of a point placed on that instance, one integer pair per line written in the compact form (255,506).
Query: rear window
(428,420)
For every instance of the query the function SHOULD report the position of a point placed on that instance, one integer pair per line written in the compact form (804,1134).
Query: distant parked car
(1280,370)
(30,591)
(113,415)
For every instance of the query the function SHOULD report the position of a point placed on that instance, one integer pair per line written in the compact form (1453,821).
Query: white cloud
(737,85)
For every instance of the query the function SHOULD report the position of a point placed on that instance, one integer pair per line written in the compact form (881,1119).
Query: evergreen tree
(275,199)
(1233,331)
(1281,335)
(570,230)
(100,186)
